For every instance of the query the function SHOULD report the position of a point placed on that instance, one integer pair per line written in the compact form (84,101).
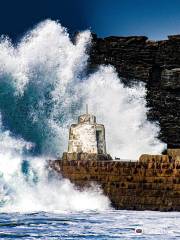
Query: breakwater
(152,183)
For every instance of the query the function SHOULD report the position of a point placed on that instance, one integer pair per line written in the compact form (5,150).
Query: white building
(87,136)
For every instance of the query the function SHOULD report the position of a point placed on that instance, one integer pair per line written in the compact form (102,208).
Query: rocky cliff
(155,63)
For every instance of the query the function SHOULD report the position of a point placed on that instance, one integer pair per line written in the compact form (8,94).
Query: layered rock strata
(157,63)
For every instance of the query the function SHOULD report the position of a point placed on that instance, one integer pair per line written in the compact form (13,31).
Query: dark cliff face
(155,63)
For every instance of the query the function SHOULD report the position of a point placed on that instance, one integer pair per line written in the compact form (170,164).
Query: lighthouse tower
(86,139)
(87,136)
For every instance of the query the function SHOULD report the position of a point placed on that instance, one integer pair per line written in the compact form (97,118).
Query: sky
(153,18)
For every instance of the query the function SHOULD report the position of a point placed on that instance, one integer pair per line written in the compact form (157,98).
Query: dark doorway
(98,137)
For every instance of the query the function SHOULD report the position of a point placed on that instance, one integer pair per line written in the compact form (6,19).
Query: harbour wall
(152,183)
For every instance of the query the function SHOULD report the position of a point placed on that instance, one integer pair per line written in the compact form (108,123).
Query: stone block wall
(153,183)
(85,156)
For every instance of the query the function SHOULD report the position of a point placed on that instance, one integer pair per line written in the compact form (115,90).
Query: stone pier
(152,183)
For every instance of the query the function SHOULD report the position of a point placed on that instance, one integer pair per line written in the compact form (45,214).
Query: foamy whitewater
(43,88)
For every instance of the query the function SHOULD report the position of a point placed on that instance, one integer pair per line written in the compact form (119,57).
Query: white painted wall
(83,138)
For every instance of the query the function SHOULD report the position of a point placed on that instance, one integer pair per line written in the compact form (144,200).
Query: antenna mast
(86,108)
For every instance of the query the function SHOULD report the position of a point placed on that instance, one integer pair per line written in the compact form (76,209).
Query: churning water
(43,88)
(106,225)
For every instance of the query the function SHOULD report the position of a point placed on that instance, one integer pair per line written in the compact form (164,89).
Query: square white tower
(87,136)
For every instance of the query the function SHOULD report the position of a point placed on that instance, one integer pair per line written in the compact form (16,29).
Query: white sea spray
(44,87)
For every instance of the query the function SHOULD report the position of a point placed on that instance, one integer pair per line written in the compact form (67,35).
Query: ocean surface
(111,224)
